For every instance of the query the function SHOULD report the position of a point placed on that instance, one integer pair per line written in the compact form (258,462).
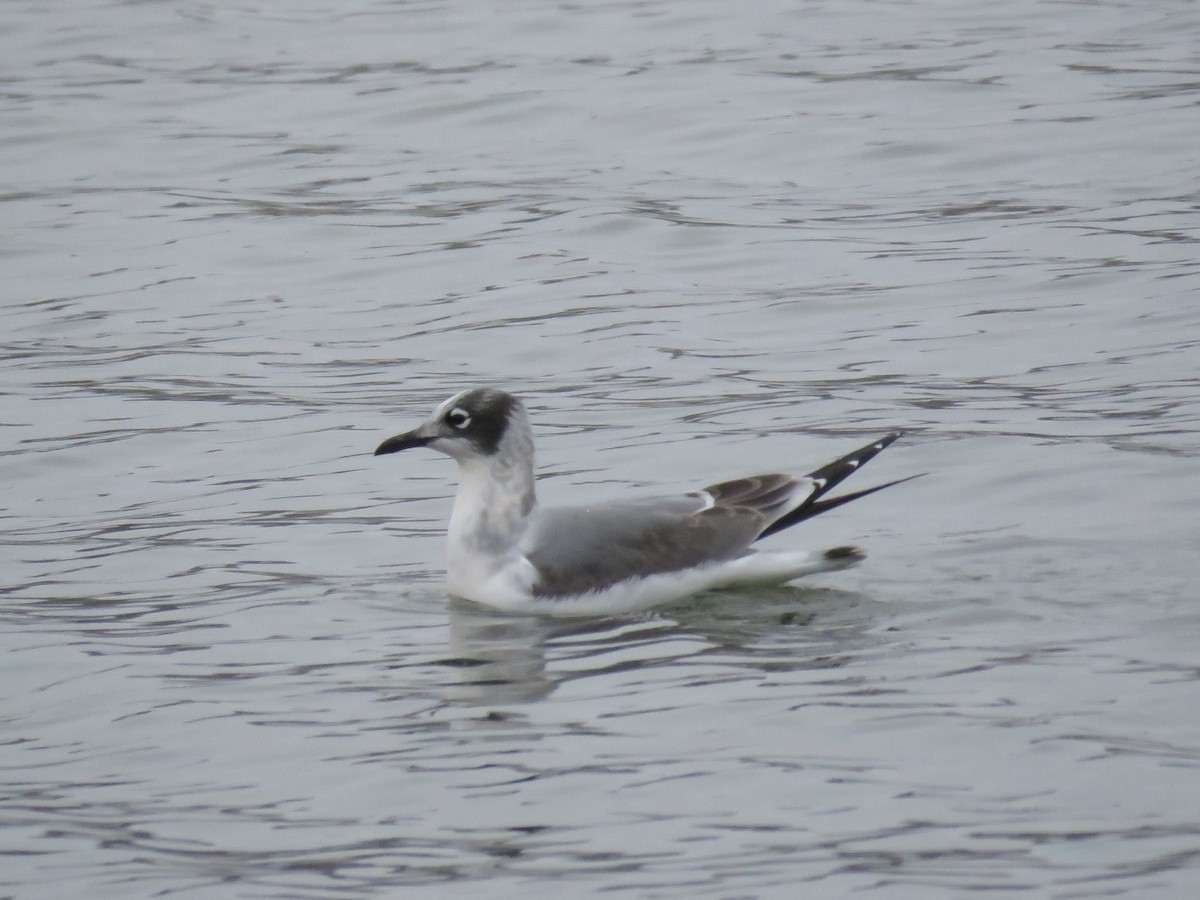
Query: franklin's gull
(507,552)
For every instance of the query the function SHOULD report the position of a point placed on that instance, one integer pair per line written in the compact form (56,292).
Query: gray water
(242,243)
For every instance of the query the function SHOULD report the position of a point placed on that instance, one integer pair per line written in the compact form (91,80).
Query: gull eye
(456,418)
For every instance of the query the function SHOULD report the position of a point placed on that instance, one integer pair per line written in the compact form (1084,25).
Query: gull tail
(830,476)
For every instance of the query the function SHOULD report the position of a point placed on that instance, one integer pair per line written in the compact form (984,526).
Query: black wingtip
(815,508)
(830,476)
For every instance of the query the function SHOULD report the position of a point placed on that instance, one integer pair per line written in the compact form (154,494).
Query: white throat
(492,510)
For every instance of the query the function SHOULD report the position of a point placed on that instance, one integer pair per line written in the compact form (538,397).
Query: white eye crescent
(458,418)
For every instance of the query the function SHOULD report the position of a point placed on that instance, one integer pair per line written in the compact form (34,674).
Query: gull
(626,555)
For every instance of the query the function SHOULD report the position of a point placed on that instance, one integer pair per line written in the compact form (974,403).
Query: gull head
(480,425)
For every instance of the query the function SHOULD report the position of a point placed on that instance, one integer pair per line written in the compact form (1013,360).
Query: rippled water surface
(243,242)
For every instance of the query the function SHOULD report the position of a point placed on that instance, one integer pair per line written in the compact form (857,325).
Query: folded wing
(580,549)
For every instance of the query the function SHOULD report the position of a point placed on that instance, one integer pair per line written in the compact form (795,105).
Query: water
(241,244)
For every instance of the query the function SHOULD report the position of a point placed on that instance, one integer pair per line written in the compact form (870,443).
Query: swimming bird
(506,551)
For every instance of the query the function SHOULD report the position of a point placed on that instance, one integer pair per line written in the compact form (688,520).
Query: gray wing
(588,548)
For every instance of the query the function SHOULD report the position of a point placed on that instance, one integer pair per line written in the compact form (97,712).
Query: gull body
(505,551)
